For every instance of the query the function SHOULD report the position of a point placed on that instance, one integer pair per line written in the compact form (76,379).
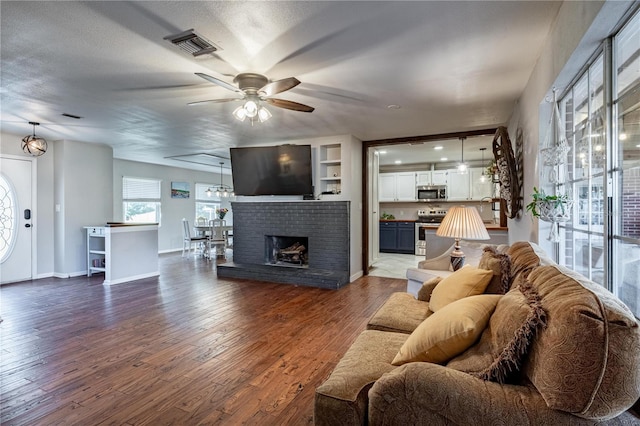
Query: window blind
(140,189)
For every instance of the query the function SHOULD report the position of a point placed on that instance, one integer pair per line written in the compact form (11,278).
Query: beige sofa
(556,349)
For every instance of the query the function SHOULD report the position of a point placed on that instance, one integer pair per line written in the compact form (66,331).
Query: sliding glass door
(601,112)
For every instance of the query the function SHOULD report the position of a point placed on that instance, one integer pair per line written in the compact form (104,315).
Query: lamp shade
(464,223)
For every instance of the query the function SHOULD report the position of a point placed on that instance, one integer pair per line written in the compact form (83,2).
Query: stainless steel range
(425,217)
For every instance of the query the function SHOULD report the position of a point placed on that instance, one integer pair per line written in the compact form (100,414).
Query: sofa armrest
(440,263)
(422,393)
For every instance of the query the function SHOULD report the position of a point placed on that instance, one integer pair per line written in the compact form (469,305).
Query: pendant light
(222,190)
(462,167)
(483,176)
(32,144)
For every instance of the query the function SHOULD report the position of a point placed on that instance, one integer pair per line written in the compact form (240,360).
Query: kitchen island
(124,252)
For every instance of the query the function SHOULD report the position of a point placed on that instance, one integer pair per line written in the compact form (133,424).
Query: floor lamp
(464,223)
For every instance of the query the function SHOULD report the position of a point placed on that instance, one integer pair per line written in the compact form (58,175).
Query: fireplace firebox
(287,251)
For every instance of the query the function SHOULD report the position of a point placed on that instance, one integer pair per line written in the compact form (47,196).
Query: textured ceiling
(450,66)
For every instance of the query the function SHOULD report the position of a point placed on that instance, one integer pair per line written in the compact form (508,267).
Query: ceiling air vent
(192,43)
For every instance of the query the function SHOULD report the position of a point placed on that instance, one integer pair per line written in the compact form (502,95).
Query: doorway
(371,201)
(16,219)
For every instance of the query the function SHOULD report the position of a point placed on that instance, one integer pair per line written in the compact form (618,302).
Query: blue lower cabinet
(397,237)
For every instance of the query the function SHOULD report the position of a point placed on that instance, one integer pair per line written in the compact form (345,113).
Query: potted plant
(550,208)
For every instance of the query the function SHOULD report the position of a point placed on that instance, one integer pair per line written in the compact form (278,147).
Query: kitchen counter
(489,226)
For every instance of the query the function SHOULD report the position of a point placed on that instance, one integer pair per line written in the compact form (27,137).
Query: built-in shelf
(331,168)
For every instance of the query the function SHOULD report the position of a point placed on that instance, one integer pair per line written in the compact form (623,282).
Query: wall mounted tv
(272,170)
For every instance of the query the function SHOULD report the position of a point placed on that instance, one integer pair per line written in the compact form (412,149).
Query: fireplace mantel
(324,223)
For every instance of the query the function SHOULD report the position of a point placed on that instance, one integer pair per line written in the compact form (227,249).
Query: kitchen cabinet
(439,177)
(468,186)
(431,178)
(399,186)
(478,188)
(458,186)
(397,237)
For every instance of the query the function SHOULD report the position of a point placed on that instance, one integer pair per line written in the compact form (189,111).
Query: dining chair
(217,238)
(188,241)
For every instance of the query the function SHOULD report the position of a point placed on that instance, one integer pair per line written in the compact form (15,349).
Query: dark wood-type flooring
(185,348)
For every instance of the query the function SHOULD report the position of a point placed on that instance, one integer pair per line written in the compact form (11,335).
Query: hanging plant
(550,208)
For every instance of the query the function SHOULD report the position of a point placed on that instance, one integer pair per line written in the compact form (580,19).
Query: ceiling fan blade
(219,82)
(279,86)
(281,103)
(214,101)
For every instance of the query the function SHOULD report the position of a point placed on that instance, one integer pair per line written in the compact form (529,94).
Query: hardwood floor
(185,348)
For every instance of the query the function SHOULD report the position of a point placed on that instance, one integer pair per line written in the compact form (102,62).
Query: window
(603,168)
(206,205)
(141,200)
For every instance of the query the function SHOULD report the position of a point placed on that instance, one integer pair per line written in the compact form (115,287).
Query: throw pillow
(500,265)
(449,331)
(504,344)
(424,294)
(467,281)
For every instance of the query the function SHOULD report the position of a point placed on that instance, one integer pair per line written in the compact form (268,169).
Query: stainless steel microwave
(431,193)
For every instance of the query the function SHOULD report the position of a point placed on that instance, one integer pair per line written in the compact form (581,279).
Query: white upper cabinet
(399,186)
(423,178)
(432,177)
(480,188)
(457,186)
(468,186)
(439,177)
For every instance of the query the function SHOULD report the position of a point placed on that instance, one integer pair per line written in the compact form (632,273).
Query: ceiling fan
(256,88)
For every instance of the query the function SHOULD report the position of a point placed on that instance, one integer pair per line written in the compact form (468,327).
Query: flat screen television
(272,170)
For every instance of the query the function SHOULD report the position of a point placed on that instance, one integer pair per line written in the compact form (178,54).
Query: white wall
(172,209)
(355,178)
(82,197)
(577,33)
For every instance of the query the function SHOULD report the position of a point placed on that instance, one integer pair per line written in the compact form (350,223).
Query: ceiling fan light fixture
(251,108)
(263,114)
(32,144)
(240,113)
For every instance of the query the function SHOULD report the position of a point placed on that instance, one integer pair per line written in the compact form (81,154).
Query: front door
(15,220)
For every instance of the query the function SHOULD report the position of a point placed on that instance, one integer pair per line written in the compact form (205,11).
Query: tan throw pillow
(467,281)
(500,265)
(424,294)
(504,344)
(448,332)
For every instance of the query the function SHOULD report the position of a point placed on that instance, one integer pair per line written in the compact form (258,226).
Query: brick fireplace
(322,225)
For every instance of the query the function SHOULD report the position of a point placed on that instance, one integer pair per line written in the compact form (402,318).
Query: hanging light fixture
(483,176)
(32,144)
(222,190)
(462,167)
(252,109)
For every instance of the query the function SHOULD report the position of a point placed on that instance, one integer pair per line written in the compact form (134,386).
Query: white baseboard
(132,278)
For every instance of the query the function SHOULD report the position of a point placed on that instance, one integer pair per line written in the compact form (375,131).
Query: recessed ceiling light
(437,147)
(394,106)
(638,146)
(398,162)
(444,159)
(382,152)
(622,136)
